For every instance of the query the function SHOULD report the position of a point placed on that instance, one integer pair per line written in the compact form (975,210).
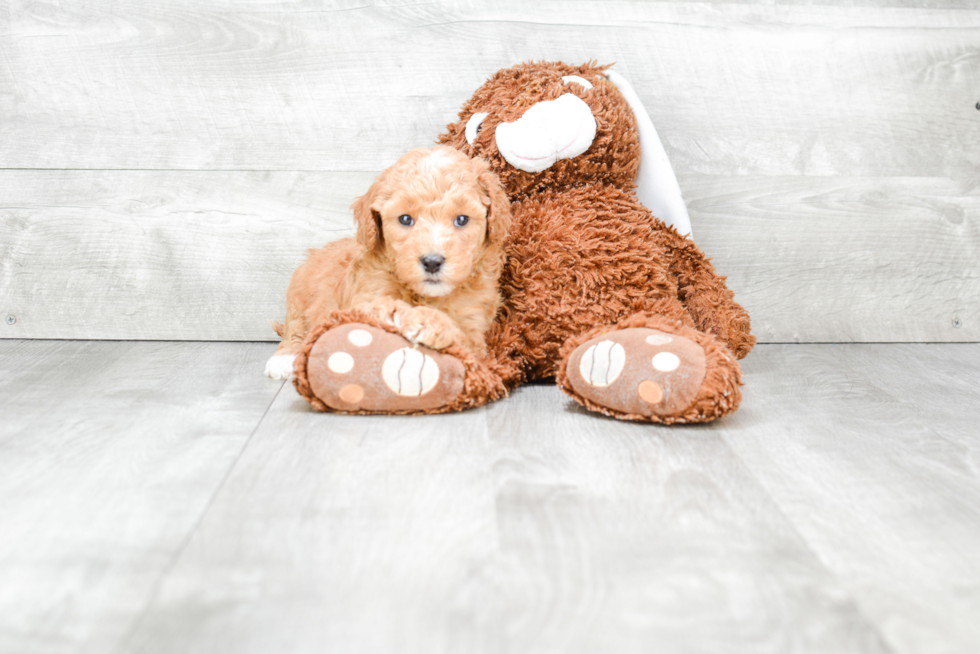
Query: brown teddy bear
(625,312)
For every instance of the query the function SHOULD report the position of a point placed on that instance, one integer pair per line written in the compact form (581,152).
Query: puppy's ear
(368,218)
(496,200)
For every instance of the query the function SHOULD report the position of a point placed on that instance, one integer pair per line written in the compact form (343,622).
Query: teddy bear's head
(549,125)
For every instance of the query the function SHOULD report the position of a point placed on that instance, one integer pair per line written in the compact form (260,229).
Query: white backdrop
(164,165)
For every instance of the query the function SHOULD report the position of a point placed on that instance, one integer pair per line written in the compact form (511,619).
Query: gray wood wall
(164,165)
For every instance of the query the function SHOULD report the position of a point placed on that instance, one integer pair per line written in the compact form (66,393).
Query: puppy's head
(434,216)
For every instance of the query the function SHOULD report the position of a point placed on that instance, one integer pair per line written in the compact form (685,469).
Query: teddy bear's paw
(638,372)
(359,368)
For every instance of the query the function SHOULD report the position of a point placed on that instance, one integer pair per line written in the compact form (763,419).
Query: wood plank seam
(188,537)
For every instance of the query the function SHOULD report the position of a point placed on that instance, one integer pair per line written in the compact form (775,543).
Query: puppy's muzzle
(432,263)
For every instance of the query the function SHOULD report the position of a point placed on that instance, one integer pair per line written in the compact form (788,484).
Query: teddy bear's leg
(354,364)
(651,368)
(708,300)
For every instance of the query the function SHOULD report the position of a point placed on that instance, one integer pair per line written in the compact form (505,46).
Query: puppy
(426,257)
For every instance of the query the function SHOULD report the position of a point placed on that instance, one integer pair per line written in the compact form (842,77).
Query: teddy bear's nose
(432,262)
(549,131)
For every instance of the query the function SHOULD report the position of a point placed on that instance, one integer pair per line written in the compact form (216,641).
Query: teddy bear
(622,310)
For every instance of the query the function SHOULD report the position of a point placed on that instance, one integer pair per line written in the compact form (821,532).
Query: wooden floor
(166,497)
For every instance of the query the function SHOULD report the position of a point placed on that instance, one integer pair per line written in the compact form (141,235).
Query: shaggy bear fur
(585,257)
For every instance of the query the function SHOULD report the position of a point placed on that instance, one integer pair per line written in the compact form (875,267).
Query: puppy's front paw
(280,366)
(387,310)
(428,327)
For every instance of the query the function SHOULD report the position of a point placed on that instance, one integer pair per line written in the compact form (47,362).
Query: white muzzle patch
(547,132)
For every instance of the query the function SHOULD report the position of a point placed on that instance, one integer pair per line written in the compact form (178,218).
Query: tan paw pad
(650,392)
(638,371)
(351,394)
(357,367)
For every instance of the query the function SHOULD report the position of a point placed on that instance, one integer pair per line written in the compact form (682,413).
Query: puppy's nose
(432,262)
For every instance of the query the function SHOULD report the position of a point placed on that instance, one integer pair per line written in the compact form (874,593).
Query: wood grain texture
(109,455)
(846,259)
(826,150)
(560,532)
(208,255)
(835,511)
(732,88)
(620,537)
(904,4)
(871,452)
(160,255)
(337,534)
(565,532)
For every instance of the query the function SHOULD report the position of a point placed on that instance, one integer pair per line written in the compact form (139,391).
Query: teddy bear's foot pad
(638,371)
(360,368)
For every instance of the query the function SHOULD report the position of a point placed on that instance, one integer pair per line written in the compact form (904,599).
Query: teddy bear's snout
(547,132)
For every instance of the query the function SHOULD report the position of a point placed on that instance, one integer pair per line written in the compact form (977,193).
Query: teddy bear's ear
(368,218)
(455,137)
(498,204)
(656,183)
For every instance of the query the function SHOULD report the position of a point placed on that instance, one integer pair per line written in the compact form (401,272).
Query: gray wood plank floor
(165,497)
(110,454)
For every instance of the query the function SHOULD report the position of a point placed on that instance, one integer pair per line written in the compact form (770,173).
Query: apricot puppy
(426,257)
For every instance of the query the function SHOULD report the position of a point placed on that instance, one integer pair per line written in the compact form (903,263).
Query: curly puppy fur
(432,203)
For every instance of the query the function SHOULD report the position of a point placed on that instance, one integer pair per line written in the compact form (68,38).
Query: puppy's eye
(406,220)
(461,220)
(474,125)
